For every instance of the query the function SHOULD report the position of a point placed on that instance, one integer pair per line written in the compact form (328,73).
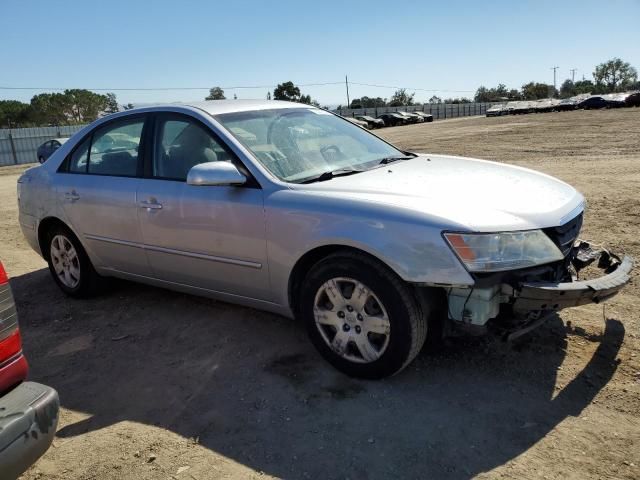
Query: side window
(114,149)
(180,144)
(80,158)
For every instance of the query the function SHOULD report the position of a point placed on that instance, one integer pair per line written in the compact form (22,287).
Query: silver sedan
(289,208)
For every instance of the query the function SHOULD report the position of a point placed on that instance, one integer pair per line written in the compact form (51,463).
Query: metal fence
(20,145)
(438,110)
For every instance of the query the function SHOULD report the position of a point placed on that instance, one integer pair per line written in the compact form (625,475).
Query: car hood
(461,193)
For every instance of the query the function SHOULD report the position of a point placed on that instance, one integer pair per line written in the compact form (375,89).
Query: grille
(565,235)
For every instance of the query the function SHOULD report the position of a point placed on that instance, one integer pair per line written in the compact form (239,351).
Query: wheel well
(308,260)
(43,228)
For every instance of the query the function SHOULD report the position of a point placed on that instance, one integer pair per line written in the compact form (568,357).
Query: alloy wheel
(65,261)
(352,320)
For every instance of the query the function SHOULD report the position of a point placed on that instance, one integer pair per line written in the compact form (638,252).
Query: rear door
(97,187)
(210,237)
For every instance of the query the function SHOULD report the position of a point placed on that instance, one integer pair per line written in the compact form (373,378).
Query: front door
(210,237)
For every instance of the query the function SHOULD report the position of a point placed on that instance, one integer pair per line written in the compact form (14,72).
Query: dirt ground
(157,385)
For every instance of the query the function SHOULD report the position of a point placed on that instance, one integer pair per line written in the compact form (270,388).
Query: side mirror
(215,173)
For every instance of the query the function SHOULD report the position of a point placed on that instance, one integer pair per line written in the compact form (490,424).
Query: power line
(237,87)
(130,89)
(412,88)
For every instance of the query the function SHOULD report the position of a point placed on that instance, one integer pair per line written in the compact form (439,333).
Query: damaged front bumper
(517,306)
(556,296)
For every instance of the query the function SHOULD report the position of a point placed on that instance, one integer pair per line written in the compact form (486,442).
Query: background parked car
(360,123)
(633,99)
(28,410)
(47,148)
(496,111)
(566,104)
(615,100)
(392,119)
(372,122)
(593,102)
(411,117)
(425,116)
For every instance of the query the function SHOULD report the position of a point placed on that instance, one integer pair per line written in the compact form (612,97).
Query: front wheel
(361,317)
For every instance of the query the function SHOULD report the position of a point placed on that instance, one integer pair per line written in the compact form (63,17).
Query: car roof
(217,107)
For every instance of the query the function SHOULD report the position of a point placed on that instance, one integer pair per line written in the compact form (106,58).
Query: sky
(444,48)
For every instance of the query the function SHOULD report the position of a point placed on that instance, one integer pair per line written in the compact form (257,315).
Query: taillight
(4,279)
(10,341)
(10,345)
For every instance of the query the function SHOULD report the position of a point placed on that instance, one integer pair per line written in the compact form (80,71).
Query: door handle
(150,205)
(71,196)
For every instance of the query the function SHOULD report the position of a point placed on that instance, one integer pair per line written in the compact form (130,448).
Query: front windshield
(301,143)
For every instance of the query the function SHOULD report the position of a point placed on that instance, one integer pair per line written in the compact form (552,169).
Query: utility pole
(554,78)
(346,82)
(573,74)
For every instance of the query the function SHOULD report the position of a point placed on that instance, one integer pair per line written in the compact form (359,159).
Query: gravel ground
(157,385)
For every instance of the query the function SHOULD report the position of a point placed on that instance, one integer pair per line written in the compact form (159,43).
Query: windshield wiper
(340,172)
(386,160)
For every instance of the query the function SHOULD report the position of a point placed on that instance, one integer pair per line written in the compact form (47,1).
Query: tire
(41,159)
(373,336)
(69,264)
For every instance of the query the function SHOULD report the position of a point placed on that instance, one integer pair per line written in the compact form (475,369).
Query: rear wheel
(361,317)
(69,264)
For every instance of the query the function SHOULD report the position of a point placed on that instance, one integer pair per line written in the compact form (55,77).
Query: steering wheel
(331,153)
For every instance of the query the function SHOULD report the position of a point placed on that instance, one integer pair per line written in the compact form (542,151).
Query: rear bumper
(28,421)
(548,296)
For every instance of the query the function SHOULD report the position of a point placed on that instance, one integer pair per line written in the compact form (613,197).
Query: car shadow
(248,385)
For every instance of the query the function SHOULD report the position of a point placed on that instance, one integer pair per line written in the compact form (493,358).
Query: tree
(536,91)
(128,106)
(216,93)
(567,89)
(14,114)
(435,99)
(615,75)
(83,106)
(268,95)
(308,100)
(583,86)
(497,94)
(71,107)
(366,102)
(49,109)
(287,91)
(401,98)
(457,100)
(112,104)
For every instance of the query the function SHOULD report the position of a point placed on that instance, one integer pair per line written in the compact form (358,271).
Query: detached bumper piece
(549,296)
(28,421)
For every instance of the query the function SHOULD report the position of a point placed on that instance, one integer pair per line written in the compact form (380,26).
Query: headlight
(494,252)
